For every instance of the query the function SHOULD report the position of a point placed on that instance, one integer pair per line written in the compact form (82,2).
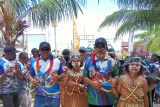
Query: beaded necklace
(77,76)
(50,66)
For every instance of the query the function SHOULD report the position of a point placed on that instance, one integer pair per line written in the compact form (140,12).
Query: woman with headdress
(74,91)
(132,87)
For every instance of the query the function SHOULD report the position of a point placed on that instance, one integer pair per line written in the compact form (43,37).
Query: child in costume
(132,87)
(74,91)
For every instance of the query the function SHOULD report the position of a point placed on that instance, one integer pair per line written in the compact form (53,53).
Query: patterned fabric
(23,83)
(10,99)
(158,89)
(46,88)
(10,84)
(31,60)
(158,85)
(84,63)
(25,99)
(116,68)
(74,96)
(150,66)
(131,94)
(98,97)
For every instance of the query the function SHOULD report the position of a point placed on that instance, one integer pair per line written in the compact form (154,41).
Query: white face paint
(134,67)
(76,64)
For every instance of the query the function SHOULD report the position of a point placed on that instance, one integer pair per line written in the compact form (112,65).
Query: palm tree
(42,12)
(134,15)
(151,39)
(39,12)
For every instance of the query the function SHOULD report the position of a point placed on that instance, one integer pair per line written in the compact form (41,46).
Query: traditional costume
(75,96)
(131,95)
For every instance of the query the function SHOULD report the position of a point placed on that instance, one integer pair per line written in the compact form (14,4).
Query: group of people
(86,78)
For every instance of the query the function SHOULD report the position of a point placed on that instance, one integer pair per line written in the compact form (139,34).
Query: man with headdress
(44,74)
(96,73)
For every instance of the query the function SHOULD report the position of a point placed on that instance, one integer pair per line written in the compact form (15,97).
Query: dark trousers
(42,101)
(99,106)
(10,100)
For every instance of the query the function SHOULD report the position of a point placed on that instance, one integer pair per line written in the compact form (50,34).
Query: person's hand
(51,82)
(96,85)
(28,66)
(10,70)
(113,82)
(55,76)
(35,82)
(65,69)
(92,73)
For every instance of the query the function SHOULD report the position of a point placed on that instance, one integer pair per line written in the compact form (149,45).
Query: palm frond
(53,10)
(43,11)
(115,19)
(154,44)
(150,38)
(124,28)
(132,20)
(138,4)
(141,35)
(149,32)
(142,16)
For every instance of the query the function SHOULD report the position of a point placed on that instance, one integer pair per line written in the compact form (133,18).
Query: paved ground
(155,105)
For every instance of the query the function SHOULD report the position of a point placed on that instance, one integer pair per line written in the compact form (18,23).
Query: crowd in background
(83,78)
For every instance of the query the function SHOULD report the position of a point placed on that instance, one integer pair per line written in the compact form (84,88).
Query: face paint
(76,64)
(134,67)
